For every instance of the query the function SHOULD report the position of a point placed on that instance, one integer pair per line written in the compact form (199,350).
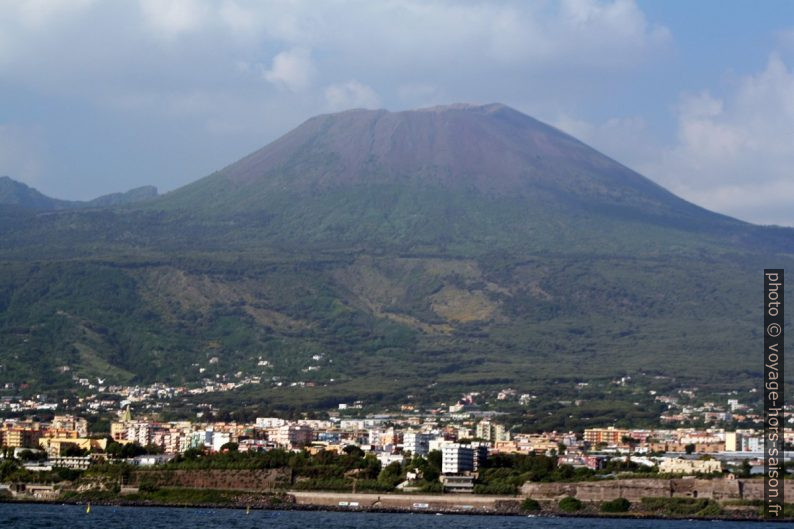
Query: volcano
(390,257)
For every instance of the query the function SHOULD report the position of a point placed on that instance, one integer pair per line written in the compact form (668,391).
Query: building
(583,461)
(219,439)
(689,466)
(733,442)
(118,429)
(21,435)
(75,463)
(417,443)
(140,432)
(528,444)
(459,458)
(456,459)
(680,447)
(55,446)
(608,436)
(490,431)
(62,423)
(292,435)
(752,444)
(457,484)
(269,422)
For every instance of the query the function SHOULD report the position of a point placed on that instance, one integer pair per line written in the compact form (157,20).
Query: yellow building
(733,442)
(118,431)
(54,446)
(21,436)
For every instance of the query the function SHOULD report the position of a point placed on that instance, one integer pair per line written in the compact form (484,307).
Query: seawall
(636,489)
(409,502)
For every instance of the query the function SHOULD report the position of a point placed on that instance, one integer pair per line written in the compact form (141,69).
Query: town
(465,440)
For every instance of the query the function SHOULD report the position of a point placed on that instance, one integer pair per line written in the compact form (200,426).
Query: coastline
(265,503)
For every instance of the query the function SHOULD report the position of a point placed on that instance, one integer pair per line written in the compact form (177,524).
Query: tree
(530,505)
(616,505)
(370,467)
(32,455)
(230,447)
(630,441)
(570,504)
(353,450)
(434,459)
(392,474)
(191,454)
(74,451)
(690,448)
(745,469)
(124,451)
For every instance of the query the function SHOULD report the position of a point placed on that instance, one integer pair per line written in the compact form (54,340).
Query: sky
(103,96)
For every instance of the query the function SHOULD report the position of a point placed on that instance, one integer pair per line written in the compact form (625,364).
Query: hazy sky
(101,96)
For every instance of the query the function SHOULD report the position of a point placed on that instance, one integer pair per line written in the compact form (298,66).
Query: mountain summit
(440,174)
(491,149)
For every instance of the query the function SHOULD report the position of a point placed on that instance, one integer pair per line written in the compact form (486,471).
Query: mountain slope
(17,194)
(378,255)
(490,149)
(133,196)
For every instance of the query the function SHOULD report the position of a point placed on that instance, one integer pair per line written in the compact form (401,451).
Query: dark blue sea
(37,516)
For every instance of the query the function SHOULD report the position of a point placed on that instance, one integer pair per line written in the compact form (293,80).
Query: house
(689,466)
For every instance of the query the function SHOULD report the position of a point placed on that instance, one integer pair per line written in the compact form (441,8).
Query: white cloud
(169,18)
(732,154)
(37,14)
(237,18)
(735,154)
(292,70)
(352,94)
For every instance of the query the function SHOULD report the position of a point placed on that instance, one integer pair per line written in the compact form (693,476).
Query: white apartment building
(139,432)
(456,458)
(269,422)
(292,435)
(417,443)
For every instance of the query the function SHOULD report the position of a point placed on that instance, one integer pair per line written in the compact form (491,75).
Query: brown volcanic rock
(492,148)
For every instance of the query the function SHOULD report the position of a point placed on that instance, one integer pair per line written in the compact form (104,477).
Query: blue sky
(101,96)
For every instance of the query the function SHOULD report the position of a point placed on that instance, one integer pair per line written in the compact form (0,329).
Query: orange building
(608,436)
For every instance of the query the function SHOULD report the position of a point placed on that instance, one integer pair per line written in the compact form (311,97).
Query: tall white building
(417,443)
(456,458)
